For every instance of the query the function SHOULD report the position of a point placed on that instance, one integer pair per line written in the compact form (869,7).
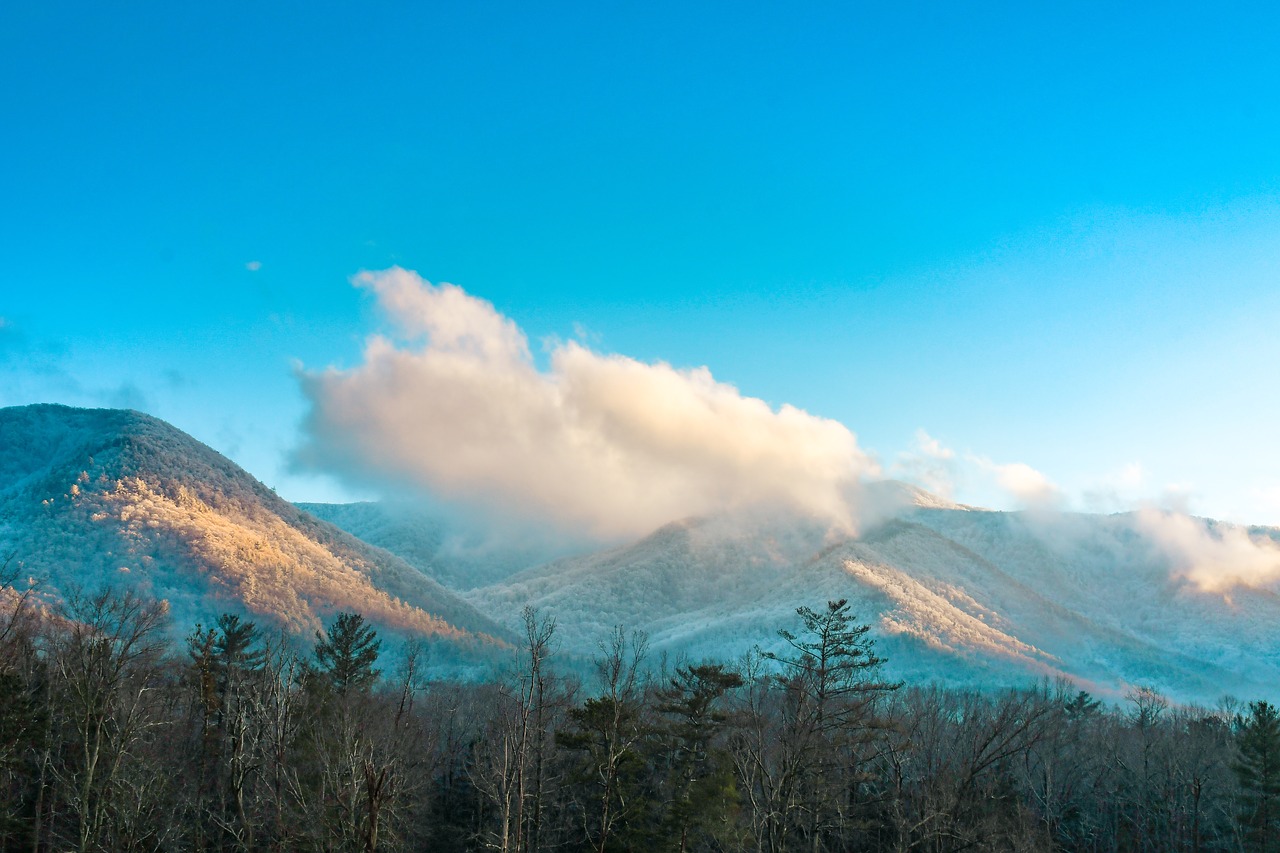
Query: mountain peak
(897,495)
(109,496)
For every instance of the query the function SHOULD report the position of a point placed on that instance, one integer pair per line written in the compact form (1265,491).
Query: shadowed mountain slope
(436,545)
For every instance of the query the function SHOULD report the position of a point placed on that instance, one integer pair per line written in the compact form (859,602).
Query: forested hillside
(94,497)
(188,662)
(110,740)
(438,546)
(961,596)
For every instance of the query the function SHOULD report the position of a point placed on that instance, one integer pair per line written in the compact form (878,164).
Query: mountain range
(955,594)
(960,595)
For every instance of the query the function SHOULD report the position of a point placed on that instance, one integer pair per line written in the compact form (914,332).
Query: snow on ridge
(957,594)
(116,497)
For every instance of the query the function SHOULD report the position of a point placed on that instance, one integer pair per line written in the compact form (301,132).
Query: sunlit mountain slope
(955,594)
(89,497)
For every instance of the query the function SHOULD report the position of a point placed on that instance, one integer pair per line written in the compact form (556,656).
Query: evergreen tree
(701,790)
(1258,769)
(236,644)
(346,655)
(606,733)
(1082,706)
(832,690)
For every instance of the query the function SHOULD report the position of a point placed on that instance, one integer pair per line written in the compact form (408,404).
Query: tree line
(110,740)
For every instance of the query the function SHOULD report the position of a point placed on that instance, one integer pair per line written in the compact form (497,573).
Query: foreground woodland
(113,740)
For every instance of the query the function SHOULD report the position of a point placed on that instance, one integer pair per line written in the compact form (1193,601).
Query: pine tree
(235,645)
(701,789)
(1258,768)
(346,655)
(607,732)
(1082,706)
(831,680)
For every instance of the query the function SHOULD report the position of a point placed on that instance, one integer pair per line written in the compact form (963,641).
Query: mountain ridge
(106,496)
(960,595)
(956,594)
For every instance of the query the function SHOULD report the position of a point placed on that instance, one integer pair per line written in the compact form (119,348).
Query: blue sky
(1042,236)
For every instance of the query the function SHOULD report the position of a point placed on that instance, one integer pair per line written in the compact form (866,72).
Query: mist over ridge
(954,593)
(599,444)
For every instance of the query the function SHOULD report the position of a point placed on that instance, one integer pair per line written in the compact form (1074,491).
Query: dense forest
(112,740)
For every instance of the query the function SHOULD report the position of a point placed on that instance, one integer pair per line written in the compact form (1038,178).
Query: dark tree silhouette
(830,677)
(701,788)
(110,741)
(237,644)
(1258,769)
(346,655)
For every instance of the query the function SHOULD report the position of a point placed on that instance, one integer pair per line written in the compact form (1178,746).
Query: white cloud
(1025,484)
(931,447)
(253,266)
(1129,477)
(602,444)
(1177,498)
(1117,491)
(1214,556)
(928,464)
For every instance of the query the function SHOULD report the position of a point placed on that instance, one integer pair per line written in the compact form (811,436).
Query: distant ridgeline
(955,595)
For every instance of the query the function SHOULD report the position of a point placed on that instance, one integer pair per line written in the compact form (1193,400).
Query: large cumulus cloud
(598,444)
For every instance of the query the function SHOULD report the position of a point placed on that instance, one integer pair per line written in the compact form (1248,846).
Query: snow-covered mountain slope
(955,594)
(437,546)
(100,496)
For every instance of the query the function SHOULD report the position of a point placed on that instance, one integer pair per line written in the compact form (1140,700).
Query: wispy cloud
(1214,556)
(1026,485)
(1116,491)
(126,395)
(929,464)
(938,468)
(605,443)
